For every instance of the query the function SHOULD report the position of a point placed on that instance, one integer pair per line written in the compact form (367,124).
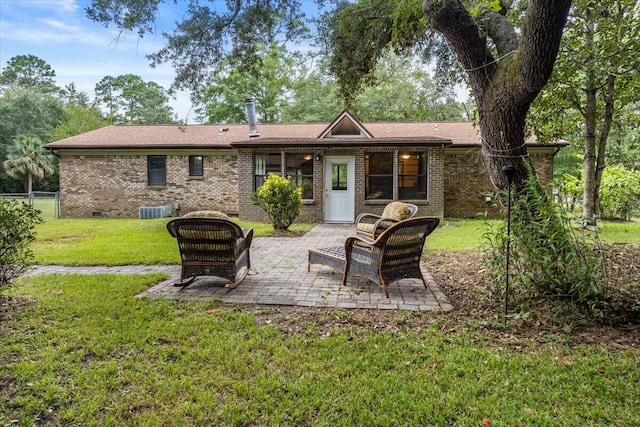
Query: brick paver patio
(279,276)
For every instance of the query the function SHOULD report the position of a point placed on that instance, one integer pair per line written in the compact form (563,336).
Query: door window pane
(339,176)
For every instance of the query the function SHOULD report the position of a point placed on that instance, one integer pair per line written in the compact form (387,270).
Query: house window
(339,176)
(196,166)
(300,169)
(264,165)
(378,169)
(157,170)
(412,176)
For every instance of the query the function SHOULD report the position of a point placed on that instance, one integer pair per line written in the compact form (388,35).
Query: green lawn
(83,351)
(86,352)
(135,241)
(46,206)
(115,241)
(621,232)
(454,235)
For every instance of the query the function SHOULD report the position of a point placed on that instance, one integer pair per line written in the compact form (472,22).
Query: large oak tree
(507,58)
(506,68)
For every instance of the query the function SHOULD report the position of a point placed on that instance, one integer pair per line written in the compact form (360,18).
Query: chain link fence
(48,203)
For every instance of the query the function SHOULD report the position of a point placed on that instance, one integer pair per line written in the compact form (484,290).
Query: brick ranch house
(344,168)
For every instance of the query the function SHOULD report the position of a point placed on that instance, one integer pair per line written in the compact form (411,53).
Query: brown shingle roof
(223,136)
(339,142)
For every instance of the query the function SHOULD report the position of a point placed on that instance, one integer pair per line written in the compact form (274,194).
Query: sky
(81,51)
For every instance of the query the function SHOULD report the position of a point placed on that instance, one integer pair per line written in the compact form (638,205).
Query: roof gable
(344,126)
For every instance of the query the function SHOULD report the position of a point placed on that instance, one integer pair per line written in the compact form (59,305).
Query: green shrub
(551,257)
(570,189)
(16,232)
(281,199)
(619,193)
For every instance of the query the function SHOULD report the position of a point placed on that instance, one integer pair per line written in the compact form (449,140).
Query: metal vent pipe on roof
(250,103)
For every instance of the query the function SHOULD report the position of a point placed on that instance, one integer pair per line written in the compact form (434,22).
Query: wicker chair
(212,247)
(371,225)
(394,255)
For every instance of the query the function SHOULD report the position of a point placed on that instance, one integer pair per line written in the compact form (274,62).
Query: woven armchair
(394,255)
(371,225)
(212,247)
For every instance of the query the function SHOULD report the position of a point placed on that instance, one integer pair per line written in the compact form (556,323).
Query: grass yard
(45,204)
(85,352)
(134,241)
(116,241)
(621,232)
(82,350)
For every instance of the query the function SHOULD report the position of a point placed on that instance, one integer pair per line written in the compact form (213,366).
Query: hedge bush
(18,220)
(281,199)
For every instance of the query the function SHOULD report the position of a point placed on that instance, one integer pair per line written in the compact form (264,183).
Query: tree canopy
(208,33)
(131,100)
(402,89)
(27,112)
(357,34)
(594,85)
(30,72)
(269,85)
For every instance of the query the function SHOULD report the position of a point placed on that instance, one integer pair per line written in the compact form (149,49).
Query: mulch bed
(459,275)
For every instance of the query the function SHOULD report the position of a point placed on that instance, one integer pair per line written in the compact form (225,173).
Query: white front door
(339,192)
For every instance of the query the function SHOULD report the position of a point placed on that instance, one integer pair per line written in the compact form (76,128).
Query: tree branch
(540,42)
(451,18)
(500,31)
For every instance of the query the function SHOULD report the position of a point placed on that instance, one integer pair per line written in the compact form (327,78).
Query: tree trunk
(29,182)
(589,168)
(607,122)
(590,118)
(503,87)
(502,135)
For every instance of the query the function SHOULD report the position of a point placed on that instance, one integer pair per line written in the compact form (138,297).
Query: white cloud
(48,33)
(55,23)
(67,6)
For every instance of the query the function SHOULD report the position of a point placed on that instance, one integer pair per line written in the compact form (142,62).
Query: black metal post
(509,171)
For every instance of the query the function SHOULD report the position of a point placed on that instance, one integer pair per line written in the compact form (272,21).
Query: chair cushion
(206,214)
(365,227)
(396,210)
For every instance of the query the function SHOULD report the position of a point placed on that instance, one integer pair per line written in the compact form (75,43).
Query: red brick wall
(312,211)
(116,185)
(467,183)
